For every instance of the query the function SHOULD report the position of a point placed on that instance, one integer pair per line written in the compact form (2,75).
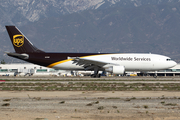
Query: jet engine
(116,69)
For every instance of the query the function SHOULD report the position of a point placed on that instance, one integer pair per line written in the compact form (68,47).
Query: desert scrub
(100,107)
(145,106)
(170,104)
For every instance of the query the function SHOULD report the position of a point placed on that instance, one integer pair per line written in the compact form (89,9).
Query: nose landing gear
(155,74)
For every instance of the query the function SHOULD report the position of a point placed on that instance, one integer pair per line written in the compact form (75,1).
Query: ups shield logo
(18,40)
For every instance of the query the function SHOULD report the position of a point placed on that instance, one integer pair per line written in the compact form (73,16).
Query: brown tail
(20,42)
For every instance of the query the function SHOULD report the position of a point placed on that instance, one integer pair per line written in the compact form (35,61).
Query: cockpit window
(168,59)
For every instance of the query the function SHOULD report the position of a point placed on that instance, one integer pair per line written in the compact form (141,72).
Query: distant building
(174,71)
(28,69)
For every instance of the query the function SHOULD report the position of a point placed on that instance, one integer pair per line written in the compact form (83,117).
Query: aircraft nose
(174,63)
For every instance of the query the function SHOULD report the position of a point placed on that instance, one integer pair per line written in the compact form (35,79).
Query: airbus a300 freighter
(116,63)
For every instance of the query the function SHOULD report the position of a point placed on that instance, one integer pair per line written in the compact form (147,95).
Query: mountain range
(118,26)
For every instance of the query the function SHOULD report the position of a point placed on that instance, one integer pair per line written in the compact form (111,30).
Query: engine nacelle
(116,69)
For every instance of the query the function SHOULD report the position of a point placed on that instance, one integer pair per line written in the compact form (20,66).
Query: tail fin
(20,42)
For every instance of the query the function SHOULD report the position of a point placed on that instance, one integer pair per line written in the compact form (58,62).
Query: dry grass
(91,86)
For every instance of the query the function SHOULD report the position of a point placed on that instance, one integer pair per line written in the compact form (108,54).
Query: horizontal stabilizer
(22,56)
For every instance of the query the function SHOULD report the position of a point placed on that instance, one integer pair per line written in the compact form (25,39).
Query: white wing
(90,64)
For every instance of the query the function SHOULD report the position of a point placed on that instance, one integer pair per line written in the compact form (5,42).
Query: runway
(67,81)
(177,78)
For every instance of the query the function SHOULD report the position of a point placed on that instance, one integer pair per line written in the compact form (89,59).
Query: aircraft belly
(135,66)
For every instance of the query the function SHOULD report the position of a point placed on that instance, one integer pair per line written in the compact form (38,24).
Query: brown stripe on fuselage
(52,59)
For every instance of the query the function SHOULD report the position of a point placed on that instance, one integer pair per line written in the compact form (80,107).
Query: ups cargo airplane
(115,63)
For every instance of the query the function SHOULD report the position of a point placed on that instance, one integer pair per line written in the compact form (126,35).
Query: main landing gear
(96,75)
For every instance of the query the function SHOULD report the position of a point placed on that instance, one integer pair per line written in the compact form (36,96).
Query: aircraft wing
(89,64)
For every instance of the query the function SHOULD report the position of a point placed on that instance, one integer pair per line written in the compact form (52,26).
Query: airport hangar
(23,69)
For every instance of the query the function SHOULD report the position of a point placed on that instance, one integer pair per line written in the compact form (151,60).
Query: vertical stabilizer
(20,43)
